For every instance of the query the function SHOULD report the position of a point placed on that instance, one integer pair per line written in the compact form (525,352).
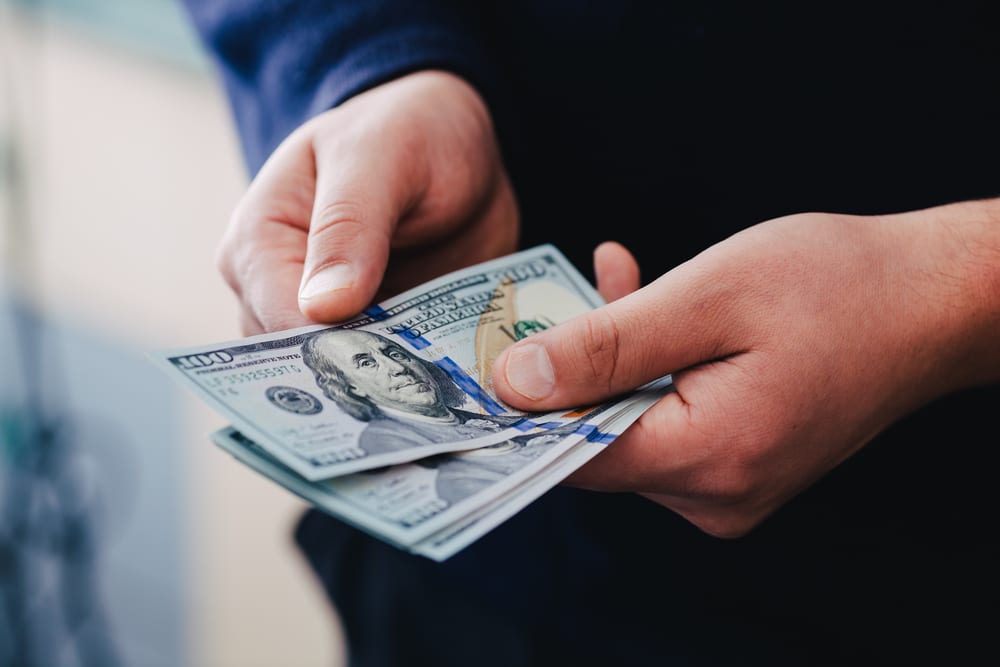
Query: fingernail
(529,371)
(328,279)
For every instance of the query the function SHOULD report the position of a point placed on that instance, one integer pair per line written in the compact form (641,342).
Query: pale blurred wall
(132,170)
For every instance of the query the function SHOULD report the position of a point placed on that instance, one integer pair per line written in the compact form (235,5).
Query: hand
(410,167)
(791,344)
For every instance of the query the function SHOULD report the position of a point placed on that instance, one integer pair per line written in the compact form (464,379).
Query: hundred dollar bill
(465,530)
(439,505)
(406,379)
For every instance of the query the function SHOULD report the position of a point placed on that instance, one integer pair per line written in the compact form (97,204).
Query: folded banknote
(389,420)
(438,505)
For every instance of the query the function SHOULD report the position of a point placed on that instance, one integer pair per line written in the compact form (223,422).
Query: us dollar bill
(439,505)
(407,379)
(465,530)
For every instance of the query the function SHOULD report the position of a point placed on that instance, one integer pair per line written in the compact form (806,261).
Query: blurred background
(126,537)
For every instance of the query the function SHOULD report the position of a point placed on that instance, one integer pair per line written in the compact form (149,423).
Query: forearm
(954,289)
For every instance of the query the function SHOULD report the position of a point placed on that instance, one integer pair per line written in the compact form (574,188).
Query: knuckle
(224,262)
(230,251)
(734,485)
(344,216)
(600,340)
(725,525)
(734,502)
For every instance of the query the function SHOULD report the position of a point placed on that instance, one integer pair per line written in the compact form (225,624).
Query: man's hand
(792,344)
(410,167)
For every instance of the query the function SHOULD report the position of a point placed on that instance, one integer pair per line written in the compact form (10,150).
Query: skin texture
(410,168)
(792,343)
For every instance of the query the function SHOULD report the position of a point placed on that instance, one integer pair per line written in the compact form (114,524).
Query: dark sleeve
(284,61)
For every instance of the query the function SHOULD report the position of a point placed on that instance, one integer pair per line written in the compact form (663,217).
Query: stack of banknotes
(389,421)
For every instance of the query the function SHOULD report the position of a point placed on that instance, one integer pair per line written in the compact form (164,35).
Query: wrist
(955,254)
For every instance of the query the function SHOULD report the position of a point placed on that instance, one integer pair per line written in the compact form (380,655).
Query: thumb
(360,196)
(671,324)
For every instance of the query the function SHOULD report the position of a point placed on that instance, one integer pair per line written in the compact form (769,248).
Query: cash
(389,421)
(439,505)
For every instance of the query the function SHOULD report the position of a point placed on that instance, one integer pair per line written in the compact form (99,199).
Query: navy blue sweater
(669,126)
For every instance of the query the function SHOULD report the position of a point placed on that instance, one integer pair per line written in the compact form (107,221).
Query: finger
(249,324)
(685,453)
(261,254)
(681,452)
(361,192)
(679,320)
(641,458)
(269,282)
(616,270)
